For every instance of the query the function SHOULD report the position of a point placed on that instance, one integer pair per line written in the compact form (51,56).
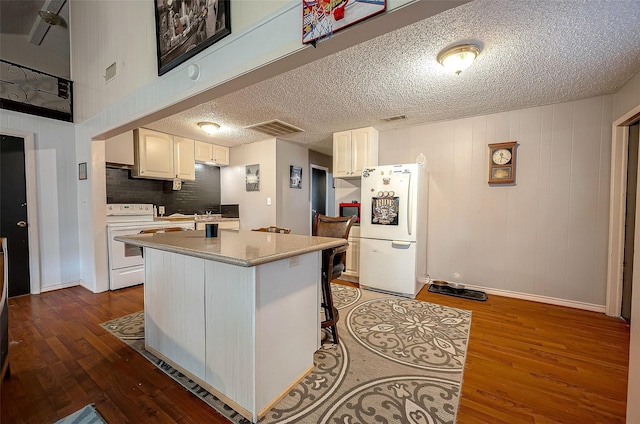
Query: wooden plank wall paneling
(546,235)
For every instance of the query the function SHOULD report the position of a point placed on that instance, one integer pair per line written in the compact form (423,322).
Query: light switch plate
(268,201)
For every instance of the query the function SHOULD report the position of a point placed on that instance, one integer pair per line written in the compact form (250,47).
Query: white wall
(123,31)
(268,44)
(16,48)
(544,236)
(626,99)
(56,182)
(347,191)
(254,211)
(293,209)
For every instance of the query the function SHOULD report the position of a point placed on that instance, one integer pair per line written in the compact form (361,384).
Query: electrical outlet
(161,210)
(268,201)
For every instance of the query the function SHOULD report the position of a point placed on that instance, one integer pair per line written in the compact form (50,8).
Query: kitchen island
(238,313)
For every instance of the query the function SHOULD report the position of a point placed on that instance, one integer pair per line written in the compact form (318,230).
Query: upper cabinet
(354,150)
(119,149)
(158,156)
(207,152)
(220,155)
(204,151)
(183,158)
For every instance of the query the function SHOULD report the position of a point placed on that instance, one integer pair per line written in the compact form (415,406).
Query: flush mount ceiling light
(209,127)
(458,58)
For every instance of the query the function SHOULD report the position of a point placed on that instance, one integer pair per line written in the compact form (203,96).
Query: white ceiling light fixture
(458,58)
(209,127)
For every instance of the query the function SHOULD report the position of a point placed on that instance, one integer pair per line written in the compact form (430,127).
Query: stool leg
(330,312)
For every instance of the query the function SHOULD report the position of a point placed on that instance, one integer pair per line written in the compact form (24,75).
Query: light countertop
(241,248)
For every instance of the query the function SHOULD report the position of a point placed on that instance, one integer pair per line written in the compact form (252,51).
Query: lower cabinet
(352,272)
(217,323)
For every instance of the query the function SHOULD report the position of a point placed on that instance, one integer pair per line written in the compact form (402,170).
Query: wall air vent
(395,118)
(275,128)
(110,73)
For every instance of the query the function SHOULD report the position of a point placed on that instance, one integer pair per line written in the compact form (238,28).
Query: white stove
(126,264)
(129,213)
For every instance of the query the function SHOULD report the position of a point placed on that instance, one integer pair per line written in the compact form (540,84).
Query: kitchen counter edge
(147,240)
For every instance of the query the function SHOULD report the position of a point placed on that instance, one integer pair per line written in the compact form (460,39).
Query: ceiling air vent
(395,118)
(275,128)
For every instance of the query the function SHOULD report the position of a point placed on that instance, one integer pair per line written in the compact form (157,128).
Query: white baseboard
(59,286)
(350,278)
(91,287)
(542,299)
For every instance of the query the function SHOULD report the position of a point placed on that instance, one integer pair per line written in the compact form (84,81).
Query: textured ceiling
(533,53)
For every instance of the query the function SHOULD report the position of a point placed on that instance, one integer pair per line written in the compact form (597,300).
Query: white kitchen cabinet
(183,158)
(203,151)
(207,152)
(352,271)
(119,149)
(220,155)
(158,156)
(354,150)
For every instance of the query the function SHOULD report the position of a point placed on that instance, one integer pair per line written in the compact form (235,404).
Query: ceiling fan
(49,16)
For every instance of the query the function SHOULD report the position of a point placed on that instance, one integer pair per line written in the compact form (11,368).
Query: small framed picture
(295,177)
(82,171)
(253,177)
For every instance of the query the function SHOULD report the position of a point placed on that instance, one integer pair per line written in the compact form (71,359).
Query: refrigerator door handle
(400,244)
(409,206)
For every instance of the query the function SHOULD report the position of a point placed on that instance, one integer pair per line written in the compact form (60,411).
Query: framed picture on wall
(184,28)
(321,18)
(295,177)
(253,177)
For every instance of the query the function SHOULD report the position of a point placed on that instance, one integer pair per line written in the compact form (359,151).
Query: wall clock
(502,163)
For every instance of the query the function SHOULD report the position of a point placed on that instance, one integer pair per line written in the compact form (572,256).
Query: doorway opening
(319,192)
(25,145)
(13,213)
(630,219)
(621,257)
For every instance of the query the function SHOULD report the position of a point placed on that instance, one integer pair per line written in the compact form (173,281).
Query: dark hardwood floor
(526,363)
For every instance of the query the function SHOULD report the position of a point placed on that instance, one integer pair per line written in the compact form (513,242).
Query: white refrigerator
(393,228)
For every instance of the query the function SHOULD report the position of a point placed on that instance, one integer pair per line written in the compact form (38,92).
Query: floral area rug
(399,361)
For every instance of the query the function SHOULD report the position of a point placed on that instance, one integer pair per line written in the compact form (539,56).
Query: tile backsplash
(197,196)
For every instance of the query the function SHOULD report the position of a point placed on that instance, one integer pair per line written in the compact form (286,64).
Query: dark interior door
(13,213)
(318,193)
(630,219)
